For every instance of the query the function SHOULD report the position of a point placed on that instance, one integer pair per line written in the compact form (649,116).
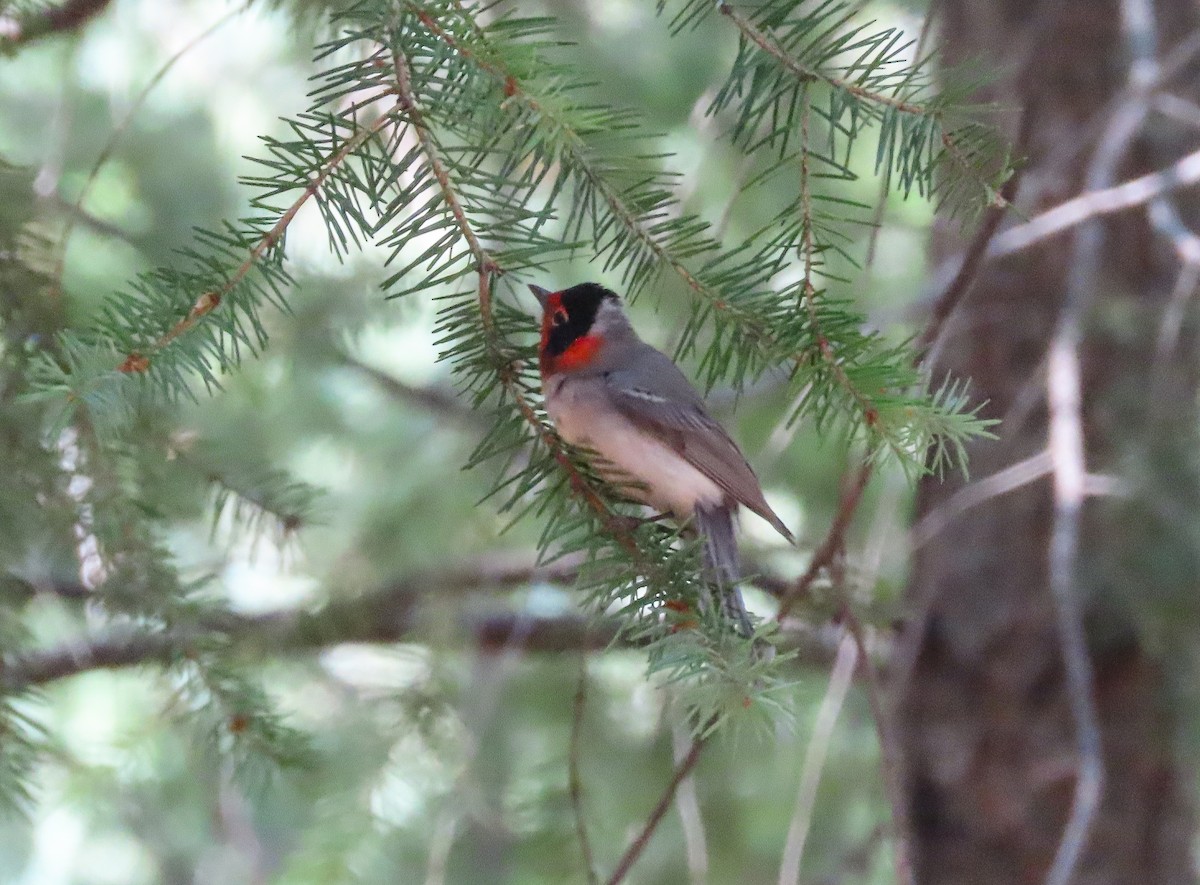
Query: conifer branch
(806,74)
(137,362)
(577,151)
(487,266)
(253,494)
(808,289)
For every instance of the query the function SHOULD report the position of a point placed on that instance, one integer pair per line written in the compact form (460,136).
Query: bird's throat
(579,354)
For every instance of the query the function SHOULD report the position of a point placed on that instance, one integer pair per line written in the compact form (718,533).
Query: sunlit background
(430,762)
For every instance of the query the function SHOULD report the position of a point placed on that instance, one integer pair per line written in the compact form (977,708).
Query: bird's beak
(540,294)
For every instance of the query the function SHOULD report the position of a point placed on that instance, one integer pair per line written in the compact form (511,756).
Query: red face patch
(556,324)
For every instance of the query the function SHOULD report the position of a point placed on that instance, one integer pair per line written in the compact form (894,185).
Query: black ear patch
(580,304)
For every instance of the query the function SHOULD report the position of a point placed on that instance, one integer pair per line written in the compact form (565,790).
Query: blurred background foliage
(424,761)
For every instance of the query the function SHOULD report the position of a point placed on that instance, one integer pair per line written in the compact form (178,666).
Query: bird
(646,427)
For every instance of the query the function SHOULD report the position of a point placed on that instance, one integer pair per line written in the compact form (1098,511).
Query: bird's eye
(558,317)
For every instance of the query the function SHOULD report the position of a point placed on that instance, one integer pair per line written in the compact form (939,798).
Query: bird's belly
(644,467)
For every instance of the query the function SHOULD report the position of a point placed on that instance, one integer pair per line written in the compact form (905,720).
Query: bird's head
(575,325)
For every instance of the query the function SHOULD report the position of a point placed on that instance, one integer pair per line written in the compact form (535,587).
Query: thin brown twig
(638,845)
(835,540)
(574,776)
(691,819)
(977,249)
(889,750)
(139,361)
(486,265)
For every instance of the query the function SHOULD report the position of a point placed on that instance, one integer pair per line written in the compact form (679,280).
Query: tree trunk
(984,723)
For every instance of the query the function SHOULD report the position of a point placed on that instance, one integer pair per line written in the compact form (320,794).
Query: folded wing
(674,412)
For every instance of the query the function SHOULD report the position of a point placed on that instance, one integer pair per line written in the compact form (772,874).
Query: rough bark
(983,716)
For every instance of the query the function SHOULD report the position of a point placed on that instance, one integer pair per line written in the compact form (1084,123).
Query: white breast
(582,413)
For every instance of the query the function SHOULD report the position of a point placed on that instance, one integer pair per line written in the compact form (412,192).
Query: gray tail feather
(715,525)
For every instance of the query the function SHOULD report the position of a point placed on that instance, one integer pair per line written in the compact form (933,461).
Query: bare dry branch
(814,759)
(1067,456)
(1097,203)
(638,845)
(976,493)
(575,778)
(1064,394)
(889,749)
(389,614)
